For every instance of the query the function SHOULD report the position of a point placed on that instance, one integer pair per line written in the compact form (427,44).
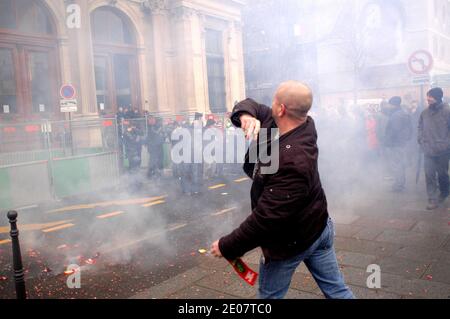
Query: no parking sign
(68,95)
(420,63)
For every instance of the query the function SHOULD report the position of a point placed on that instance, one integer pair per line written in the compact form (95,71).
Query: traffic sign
(442,80)
(420,62)
(421,79)
(69,106)
(67,92)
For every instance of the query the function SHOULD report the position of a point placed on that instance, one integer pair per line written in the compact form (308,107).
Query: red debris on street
(90,261)
(47,270)
(33,253)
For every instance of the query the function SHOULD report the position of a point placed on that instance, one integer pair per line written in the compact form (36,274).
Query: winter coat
(434,130)
(399,129)
(289,208)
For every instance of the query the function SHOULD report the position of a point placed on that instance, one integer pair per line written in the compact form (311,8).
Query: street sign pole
(71,134)
(422,97)
(420,63)
(69,105)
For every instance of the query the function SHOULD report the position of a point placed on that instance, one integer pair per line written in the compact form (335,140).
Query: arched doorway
(28,72)
(115,61)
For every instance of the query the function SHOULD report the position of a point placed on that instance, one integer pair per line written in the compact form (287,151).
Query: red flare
(70,272)
(90,261)
(245,272)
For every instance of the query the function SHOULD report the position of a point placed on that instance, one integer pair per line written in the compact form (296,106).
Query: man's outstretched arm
(250,116)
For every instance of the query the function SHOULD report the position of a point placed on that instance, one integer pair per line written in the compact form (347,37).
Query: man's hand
(251,126)
(215,251)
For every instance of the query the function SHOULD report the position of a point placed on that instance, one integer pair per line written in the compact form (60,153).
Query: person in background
(413,149)
(209,169)
(434,141)
(197,146)
(176,167)
(133,147)
(382,118)
(398,133)
(129,114)
(120,115)
(136,114)
(133,140)
(185,168)
(155,143)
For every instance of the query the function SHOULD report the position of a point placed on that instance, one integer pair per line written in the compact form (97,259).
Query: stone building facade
(160,56)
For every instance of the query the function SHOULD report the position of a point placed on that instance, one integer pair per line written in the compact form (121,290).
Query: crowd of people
(139,132)
(390,139)
(386,139)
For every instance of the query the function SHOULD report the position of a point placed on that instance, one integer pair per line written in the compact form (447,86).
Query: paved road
(124,243)
(145,245)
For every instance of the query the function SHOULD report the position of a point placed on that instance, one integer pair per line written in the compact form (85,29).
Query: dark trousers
(436,173)
(191,178)
(397,165)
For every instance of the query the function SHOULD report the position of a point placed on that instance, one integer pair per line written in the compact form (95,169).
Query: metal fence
(55,159)
(169,123)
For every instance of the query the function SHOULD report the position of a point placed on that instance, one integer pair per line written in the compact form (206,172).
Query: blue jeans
(275,276)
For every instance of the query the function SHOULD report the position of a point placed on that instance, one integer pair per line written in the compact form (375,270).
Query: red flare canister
(244,271)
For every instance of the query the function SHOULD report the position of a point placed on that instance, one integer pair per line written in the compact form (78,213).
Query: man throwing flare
(289,218)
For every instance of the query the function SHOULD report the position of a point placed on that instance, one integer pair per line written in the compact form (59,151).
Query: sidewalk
(410,244)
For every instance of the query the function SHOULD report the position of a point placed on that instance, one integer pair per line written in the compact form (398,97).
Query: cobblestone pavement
(411,246)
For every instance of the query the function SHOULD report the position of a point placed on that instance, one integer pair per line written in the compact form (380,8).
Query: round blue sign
(67,92)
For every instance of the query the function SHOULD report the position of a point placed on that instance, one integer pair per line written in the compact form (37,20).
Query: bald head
(296,97)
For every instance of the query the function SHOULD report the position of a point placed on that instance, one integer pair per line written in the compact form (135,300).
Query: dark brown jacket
(289,208)
(434,130)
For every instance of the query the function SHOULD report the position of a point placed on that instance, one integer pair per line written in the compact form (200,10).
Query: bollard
(19,275)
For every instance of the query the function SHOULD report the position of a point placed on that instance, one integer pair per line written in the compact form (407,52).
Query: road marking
(26,208)
(49,230)
(126,202)
(176,226)
(240,180)
(30,227)
(110,215)
(217,186)
(147,238)
(6,241)
(223,211)
(158,202)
